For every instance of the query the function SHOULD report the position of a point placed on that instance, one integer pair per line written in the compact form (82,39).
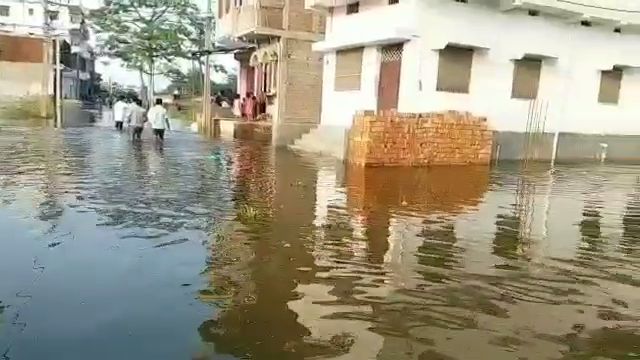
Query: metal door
(389,84)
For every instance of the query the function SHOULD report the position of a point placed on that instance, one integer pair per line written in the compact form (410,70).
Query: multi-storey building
(570,67)
(27,21)
(280,68)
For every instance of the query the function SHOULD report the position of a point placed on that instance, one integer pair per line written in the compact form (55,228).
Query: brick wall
(303,82)
(303,19)
(401,139)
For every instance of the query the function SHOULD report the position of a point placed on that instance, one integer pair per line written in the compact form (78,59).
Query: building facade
(566,70)
(280,68)
(25,22)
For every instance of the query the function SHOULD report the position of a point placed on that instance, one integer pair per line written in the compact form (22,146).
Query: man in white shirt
(157,116)
(120,112)
(136,118)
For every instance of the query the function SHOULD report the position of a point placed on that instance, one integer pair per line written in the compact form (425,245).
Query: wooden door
(389,84)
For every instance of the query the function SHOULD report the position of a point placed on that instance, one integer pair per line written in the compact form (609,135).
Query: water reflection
(264,254)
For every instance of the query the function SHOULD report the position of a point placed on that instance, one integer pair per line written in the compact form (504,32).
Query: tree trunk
(151,83)
(143,90)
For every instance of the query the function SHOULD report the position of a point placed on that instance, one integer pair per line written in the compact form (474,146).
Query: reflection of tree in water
(631,223)
(438,251)
(257,323)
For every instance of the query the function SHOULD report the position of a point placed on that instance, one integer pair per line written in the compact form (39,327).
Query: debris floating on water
(172,242)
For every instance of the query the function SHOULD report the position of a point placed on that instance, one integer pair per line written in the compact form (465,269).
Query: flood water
(230,250)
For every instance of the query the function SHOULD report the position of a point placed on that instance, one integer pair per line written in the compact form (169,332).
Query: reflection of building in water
(366,247)
(253,172)
(378,194)
(631,222)
(259,321)
(398,263)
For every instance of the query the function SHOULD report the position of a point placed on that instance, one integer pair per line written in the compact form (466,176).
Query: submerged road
(205,249)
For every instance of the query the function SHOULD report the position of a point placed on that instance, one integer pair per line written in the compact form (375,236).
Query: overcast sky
(111,69)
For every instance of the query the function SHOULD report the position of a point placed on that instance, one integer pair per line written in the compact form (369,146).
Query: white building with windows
(573,65)
(30,16)
(25,20)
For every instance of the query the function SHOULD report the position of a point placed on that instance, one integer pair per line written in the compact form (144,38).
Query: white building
(579,60)
(30,17)
(62,19)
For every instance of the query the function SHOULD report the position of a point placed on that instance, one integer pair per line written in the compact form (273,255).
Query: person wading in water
(120,112)
(157,116)
(136,119)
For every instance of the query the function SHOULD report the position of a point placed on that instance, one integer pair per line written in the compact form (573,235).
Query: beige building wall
(21,79)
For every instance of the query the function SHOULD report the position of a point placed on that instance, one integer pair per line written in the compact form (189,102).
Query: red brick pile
(419,139)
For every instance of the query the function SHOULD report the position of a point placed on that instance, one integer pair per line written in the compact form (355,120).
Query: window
(353,8)
(76,18)
(30,11)
(53,15)
(393,2)
(610,82)
(526,78)
(4,10)
(454,69)
(348,69)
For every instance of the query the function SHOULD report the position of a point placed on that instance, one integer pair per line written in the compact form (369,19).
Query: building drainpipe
(78,75)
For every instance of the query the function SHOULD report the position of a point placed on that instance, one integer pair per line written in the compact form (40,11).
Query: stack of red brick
(419,139)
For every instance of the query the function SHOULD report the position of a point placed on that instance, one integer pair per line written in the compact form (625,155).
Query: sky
(112,69)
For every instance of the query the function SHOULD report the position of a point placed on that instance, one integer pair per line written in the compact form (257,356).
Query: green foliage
(148,35)
(190,82)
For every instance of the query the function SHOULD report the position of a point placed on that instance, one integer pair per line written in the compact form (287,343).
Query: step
(326,140)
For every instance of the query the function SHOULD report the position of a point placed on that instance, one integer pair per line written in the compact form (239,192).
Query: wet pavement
(206,249)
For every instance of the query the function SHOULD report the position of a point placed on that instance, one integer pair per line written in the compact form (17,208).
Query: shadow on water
(216,250)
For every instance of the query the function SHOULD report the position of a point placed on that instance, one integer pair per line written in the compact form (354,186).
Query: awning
(621,60)
(230,44)
(533,55)
(381,36)
(440,40)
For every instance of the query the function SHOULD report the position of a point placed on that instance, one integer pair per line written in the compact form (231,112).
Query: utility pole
(58,82)
(206,84)
(46,61)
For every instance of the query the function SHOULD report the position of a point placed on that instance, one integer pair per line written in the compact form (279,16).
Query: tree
(148,35)
(190,82)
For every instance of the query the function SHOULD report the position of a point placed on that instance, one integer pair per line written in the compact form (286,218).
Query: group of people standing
(136,116)
(249,107)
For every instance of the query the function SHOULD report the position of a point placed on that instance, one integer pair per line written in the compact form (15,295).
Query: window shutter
(454,69)
(348,69)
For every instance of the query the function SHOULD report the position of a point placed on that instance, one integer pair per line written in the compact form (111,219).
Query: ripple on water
(260,253)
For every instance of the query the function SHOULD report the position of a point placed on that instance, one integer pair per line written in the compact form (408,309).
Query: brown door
(389,85)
